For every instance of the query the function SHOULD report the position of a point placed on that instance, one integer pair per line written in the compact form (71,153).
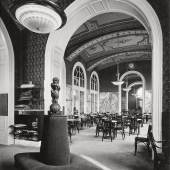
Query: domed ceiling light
(40,16)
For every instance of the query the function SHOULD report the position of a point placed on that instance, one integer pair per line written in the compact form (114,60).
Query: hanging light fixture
(118,82)
(40,16)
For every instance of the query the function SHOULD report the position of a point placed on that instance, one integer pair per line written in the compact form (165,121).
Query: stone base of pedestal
(55,145)
(30,161)
(166,165)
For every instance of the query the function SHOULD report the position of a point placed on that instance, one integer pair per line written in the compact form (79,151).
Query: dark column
(55,145)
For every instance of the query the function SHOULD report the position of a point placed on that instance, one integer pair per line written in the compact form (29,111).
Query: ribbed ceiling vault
(107,39)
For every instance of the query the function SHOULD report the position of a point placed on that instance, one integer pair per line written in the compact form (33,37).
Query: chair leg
(103,137)
(110,133)
(77,129)
(148,148)
(135,146)
(114,134)
(130,130)
(70,139)
(123,135)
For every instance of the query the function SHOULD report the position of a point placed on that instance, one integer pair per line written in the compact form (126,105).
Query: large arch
(143,84)
(7,84)
(82,10)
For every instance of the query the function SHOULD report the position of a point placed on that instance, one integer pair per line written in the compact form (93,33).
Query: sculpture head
(56,80)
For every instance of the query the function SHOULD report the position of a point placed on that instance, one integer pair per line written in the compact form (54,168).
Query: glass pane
(81,102)
(92,102)
(96,102)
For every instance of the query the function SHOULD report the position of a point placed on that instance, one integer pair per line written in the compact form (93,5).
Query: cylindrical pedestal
(55,145)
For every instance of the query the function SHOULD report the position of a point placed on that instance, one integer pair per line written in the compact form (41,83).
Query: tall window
(94,83)
(79,87)
(94,91)
(78,77)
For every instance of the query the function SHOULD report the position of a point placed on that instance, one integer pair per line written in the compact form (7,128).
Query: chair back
(153,145)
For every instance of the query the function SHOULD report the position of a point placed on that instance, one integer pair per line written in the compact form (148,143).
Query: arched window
(94,92)
(79,88)
(94,83)
(78,77)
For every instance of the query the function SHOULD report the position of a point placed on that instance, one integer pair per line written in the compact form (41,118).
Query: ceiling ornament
(40,16)
(91,25)
(131,66)
(110,42)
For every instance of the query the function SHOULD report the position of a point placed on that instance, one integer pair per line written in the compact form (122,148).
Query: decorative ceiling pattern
(107,39)
(112,42)
(107,50)
(120,57)
(101,21)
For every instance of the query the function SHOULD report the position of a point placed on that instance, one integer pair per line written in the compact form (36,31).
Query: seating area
(111,130)
(112,124)
(109,126)
(118,154)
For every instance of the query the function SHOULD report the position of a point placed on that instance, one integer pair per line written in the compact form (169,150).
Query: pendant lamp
(40,16)
(118,82)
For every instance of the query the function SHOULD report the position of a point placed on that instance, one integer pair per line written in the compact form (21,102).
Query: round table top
(73,120)
(20,125)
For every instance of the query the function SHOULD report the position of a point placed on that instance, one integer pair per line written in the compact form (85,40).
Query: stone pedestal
(55,145)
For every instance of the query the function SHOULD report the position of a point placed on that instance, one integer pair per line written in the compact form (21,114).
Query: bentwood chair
(107,129)
(99,126)
(144,140)
(159,158)
(120,127)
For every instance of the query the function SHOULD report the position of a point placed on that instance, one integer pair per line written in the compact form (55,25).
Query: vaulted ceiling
(105,40)
(108,39)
